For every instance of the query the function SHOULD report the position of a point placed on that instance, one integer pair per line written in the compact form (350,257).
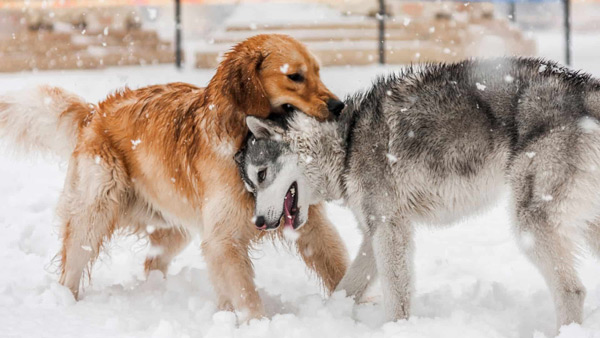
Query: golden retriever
(160,161)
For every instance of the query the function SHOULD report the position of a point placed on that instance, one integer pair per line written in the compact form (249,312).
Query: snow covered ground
(471,280)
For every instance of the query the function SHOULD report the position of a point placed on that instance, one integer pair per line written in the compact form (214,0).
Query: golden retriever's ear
(242,82)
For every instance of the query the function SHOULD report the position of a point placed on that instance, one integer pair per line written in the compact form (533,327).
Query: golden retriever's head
(274,74)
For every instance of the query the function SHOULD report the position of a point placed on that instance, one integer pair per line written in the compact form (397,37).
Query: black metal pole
(567,22)
(513,11)
(381,18)
(178,33)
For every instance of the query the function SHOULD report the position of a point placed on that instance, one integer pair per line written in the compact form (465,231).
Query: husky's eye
(296,77)
(262,175)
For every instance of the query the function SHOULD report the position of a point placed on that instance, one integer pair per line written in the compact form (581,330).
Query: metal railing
(381,16)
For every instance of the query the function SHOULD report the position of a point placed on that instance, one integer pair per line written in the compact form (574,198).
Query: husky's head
(271,171)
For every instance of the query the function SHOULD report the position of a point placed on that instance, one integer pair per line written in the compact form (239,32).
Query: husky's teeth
(289,217)
(293,191)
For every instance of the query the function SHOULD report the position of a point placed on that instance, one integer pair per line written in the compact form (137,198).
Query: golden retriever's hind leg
(73,260)
(89,207)
(81,245)
(166,244)
(322,248)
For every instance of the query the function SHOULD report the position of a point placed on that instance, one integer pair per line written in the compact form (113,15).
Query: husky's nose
(335,106)
(260,222)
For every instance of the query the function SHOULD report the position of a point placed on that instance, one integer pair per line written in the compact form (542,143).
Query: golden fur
(159,160)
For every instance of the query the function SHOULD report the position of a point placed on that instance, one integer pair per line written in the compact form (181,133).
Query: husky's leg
(393,249)
(321,248)
(554,255)
(362,271)
(549,243)
(168,243)
(89,208)
(554,191)
(593,237)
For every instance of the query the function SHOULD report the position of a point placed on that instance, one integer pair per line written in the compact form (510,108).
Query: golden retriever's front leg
(322,248)
(232,274)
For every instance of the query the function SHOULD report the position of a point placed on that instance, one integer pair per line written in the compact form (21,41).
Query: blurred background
(37,35)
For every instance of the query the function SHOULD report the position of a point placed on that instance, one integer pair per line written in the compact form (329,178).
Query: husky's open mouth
(290,206)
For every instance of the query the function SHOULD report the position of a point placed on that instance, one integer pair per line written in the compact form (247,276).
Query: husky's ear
(263,128)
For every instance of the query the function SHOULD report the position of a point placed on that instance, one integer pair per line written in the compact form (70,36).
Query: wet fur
(436,143)
(159,161)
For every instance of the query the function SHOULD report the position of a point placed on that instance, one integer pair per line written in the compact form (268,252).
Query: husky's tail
(45,119)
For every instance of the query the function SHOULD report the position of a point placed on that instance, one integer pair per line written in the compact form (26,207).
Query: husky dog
(433,144)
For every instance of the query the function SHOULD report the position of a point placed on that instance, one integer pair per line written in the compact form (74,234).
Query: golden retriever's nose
(335,106)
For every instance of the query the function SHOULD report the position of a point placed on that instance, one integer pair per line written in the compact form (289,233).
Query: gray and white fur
(434,144)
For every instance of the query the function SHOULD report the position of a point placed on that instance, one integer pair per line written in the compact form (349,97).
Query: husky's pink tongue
(288,219)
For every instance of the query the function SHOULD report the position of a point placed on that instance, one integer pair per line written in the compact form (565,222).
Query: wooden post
(513,11)
(381,18)
(567,24)
(178,33)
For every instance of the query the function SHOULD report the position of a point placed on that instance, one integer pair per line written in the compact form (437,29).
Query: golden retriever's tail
(45,119)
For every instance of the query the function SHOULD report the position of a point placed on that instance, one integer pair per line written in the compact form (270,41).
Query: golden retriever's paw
(245,315)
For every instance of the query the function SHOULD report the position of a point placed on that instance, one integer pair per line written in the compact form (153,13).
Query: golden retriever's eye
(262,175)
(296,77)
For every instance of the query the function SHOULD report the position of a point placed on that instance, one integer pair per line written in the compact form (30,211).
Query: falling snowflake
(152,13)
(589,124)
(393,159)
(526,240)
(480,86)
(135,143)
(284,69)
